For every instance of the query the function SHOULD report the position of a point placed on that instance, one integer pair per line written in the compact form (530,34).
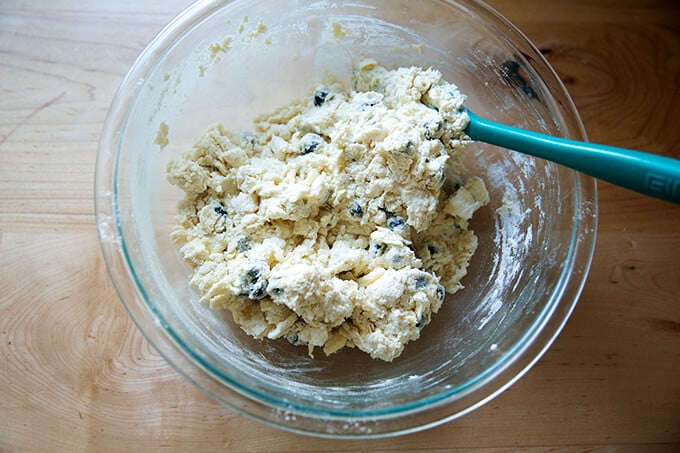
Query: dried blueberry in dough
(219,210)
(255,283)
(441,292)
(433,129)
(375,250)
(310,142)
(356,210)
(396,223)
(243,245)
(294,339)
(320,97)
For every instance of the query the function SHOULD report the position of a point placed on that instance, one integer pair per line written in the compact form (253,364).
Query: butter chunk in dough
(342,220)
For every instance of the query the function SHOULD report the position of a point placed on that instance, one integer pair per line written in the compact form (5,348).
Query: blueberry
(294,339)
(243,244)
(397,259)
(320,97)
(257,288)
(375,250)
(310,142)
(248,139)
(255,283)
(433,129)
(219,210)
(420,282)
(421,322)
(396,222)
(511,72)
(451,187)
(441,292)
(356,210)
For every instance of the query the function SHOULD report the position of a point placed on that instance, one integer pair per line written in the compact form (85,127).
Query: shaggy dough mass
(342,220)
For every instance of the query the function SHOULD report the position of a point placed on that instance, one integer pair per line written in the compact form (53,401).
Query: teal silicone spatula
(649,174)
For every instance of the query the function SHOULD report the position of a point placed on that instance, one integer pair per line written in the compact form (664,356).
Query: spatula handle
(646,173)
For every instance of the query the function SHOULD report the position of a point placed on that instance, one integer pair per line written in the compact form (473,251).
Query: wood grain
(76,375)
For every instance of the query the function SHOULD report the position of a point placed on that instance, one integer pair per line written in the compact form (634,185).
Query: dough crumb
(341,220)
(340,31)
(221,47)
(259,29)
(242,26)
(162,135)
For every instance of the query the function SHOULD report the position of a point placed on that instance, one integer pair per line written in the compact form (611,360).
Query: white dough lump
(342,220)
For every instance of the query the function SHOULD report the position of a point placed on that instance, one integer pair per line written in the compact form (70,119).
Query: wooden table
(75,374)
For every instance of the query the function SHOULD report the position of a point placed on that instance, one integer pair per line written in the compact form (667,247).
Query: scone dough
(342,220)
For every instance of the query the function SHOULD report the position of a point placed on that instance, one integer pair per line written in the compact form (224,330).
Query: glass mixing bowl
(230,61)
